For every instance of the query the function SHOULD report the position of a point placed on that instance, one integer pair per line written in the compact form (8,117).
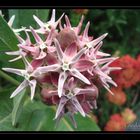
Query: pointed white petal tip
(11,96)
(105,34)
(4,69)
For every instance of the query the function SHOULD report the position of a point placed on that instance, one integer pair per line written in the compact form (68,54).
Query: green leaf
(24,17)
(6,106)
(85,124)
(18,105)
(7,36)
(8,42)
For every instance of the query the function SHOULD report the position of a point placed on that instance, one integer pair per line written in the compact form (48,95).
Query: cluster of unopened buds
(67,65)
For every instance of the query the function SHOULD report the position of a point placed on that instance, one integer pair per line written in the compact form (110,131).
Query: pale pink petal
(41,55)
(112,82)
(61,105)
(45,69)
(102,54)
(105,60)
(99,72)
(114,68)
(71,116)
(83,65)
(61,81)
(61,115)
(96,49)
(80,76)
(96,41)
(10,22)
(85,34)
(71,83)
(79,91)
(71,50)
(51,49)
(28,41)
(108,89)
(36,36)
(58,49)
(53,16)
(107,65)
(27,64)
(40,23)
(15,71)
(32,84)
(60,26)
(78,28)
(23,85)
(57,22)
(13,53)
(67,21)
(15,59)
(34,50)
(48,93)
(78,55)
(77,105)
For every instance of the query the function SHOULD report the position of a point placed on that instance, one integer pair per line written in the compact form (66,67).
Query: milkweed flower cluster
(65,62)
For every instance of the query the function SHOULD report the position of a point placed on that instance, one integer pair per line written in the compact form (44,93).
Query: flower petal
(71,116)
(71,50)
(78,28)
(108,89)
(96,41)
(45,69)
(102,54)
(10,22)
(105,60)
(51,59)
(79,91)
(41,55)
(62,103)
(77,105)
(53,16)
(61,81)
(78,55)
(40,23)
(30,49)
(71,83)
(15,71)
(13,53)
(27,64)
(23,85)
(36,36)
(80,76)
(67,21)
(36,63)
(58,49)
(96,49)
(83,65)
(54,78)
(15,59)
(32,84)
(85,34)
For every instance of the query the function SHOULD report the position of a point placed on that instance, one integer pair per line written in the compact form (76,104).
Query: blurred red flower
(115,123)
(129,116)
(119,97)
(129,75)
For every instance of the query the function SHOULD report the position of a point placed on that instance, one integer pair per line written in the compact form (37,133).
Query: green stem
(9,78)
